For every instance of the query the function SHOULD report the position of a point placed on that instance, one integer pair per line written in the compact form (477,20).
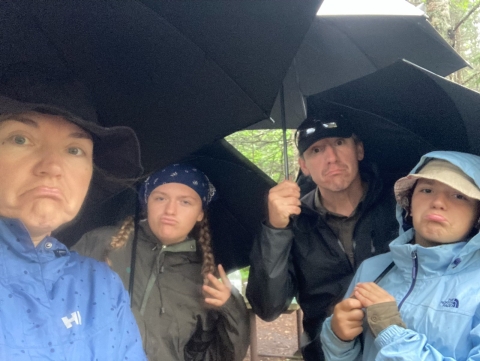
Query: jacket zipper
(414,277)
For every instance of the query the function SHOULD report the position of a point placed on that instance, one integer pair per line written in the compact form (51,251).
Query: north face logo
(451,302)
(76,318)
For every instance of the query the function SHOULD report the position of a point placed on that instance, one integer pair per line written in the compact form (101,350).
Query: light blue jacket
(437,290)
(56,305)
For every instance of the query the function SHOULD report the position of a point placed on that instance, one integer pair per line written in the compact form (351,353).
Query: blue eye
(19,139)
(75,151)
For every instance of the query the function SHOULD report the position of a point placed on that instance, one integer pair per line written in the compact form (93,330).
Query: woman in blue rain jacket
(425,301)
(56,305)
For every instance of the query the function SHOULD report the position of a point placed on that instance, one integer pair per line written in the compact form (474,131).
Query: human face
(441,214)
(173,210)
(332,163)
(47,166)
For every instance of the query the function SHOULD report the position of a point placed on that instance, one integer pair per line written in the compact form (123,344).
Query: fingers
(347,319)
(217,292)
(283,201)
(223,277)
(370,293)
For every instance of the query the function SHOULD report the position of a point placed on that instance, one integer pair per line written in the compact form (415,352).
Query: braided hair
(204,240)
(119,240)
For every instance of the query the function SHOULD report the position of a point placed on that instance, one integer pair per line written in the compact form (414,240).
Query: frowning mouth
(435,218)
(49,192)
(168,220)
(334,171)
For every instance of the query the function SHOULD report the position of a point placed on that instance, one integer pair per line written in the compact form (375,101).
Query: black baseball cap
(322,125)
(28,87)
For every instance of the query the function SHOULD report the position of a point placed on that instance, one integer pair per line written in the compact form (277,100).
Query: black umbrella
(345,43)
(182,73)
(418,111)
(239,209)
(235,215)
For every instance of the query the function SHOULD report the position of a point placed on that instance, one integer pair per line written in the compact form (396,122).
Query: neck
(429,243)
(343,202)
(36,239)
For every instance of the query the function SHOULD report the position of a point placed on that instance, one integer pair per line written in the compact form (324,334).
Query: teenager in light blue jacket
(420,301)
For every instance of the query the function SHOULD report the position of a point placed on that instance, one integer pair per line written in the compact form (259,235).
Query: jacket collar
(188,245)
(432,261)
(18,253)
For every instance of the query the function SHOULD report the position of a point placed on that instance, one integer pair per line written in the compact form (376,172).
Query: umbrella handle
(284,132)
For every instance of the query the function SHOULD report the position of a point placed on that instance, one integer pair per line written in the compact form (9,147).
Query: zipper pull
(415,264)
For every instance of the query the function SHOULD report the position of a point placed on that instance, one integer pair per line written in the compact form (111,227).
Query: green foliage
(265,149)
(465,28)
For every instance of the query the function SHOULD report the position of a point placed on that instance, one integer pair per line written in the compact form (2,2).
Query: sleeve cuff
(330,340)
(382,315)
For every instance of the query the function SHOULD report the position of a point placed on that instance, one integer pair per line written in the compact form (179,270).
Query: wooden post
(253,336)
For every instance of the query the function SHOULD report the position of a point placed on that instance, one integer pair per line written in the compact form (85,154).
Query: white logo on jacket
(76,318)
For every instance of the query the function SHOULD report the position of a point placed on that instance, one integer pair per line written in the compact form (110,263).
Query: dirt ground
(277,338)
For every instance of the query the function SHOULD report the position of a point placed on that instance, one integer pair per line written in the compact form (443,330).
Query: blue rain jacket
(437,290)
(56,305)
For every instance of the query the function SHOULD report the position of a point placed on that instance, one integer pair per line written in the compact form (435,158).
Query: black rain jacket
(306,260)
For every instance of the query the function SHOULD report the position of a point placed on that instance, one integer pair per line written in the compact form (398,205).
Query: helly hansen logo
(76,318)
(451,302)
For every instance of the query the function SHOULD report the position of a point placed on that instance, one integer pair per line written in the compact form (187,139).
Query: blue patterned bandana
(179,173)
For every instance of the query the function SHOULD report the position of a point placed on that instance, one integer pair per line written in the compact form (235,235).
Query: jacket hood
(470,165)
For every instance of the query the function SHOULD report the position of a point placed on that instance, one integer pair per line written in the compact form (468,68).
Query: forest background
(458,21)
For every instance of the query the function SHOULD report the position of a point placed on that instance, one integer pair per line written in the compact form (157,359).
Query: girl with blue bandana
(183,311)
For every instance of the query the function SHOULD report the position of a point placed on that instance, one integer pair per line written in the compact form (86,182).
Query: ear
(200,216)
(360,151)
(303,167)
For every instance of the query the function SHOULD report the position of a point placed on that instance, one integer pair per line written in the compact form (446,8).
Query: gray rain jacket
(167,299)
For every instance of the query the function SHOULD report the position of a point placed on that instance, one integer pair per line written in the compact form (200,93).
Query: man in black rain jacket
(310,248)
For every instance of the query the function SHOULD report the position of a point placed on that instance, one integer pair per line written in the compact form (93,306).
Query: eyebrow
(31,123)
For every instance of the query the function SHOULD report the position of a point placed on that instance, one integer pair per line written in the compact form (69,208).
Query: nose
(439,200)
(49,163)
(330,154)
(170,207)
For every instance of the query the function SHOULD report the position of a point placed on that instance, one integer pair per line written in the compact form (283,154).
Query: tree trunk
(439,14)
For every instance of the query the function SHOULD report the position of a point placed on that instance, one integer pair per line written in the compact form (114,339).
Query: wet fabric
(436,289)
(168,302)
(56,305)
(307,261)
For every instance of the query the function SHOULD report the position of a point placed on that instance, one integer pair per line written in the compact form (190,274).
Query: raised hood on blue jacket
(468,163)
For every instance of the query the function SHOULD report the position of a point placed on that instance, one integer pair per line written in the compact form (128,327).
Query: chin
(46,223)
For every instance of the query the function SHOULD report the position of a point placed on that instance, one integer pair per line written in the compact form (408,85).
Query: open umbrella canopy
(182,73)
(239,209)
(352,38)
(415,110)
(235,215)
